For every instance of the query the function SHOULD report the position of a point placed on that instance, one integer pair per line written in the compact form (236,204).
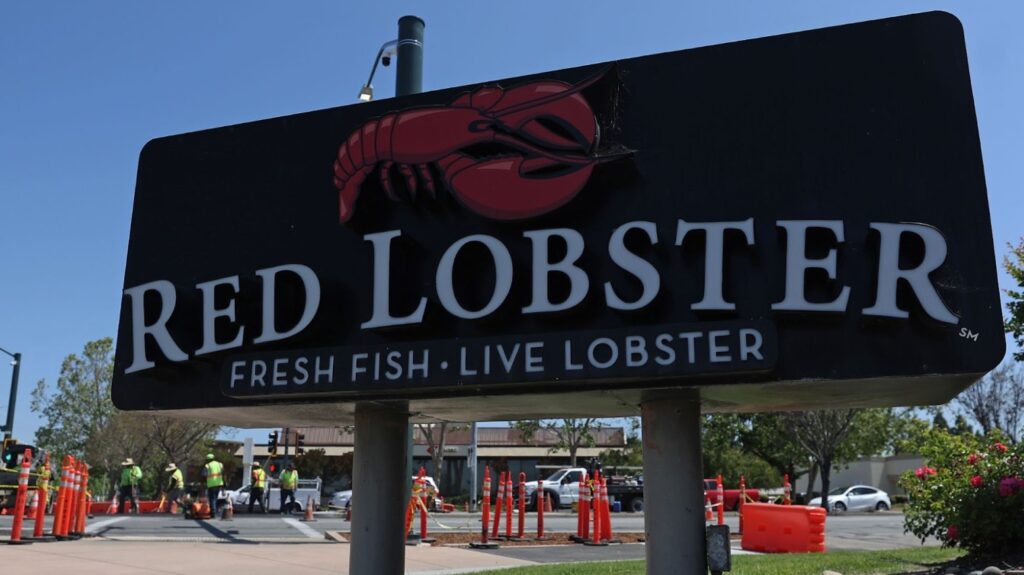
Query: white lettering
(642,269)
(889,272)
(797,263)
(211,313)
(578,280)
(382,285)
(502,283)
(158,329)
(714,258)
(311,287)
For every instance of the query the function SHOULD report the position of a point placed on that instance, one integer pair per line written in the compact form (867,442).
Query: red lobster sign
(505,154)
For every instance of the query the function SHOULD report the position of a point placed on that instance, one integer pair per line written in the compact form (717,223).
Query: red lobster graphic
(505,154)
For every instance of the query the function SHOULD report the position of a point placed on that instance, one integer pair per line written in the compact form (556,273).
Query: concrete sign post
(794,222)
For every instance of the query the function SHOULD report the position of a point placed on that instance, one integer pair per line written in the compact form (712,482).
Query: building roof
(605,437)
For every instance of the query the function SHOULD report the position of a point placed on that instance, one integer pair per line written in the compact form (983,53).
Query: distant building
(500,448)
(880,471)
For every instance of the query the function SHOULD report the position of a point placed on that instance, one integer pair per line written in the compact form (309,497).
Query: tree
(570,434)
(821,433)
(80,407)
(1014,265)
(996,401)
(80,420)
(632,455)
(939,421)
(436,435)
(961,426)
(767,436)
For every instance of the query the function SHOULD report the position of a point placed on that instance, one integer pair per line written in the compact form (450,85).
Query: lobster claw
(512,188)
(550,114)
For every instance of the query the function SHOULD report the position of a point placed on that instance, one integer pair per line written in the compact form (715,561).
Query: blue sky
(84,85)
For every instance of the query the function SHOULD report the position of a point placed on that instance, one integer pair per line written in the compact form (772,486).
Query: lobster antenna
(572,90)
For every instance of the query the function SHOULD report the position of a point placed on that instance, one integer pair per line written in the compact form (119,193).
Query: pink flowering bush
(970,495)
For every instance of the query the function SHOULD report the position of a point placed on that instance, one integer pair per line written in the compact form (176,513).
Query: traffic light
(9,455)
(272,443)
(272,468)
(300,442)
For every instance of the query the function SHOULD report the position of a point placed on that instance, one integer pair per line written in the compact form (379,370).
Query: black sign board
(786,222)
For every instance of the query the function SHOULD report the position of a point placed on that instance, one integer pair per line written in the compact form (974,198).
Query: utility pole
(287,434)
(471,462)
(383,433)
(9,426)
(409,80)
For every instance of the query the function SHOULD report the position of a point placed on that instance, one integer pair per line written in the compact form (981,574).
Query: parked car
(855,498)
(304,490)
(343,499)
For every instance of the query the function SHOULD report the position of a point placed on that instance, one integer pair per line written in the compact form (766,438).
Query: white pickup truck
(304,490)
(563,486)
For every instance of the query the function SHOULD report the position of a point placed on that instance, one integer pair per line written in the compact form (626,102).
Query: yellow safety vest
(289,479)
(130,476)
(214,471)
(259,479)
(177,480)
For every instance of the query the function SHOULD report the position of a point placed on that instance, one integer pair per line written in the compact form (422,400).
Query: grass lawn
(906,561)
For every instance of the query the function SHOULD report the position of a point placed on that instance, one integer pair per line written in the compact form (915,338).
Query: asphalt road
(849,531)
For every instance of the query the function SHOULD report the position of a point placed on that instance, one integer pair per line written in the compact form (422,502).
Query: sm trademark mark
(968,334)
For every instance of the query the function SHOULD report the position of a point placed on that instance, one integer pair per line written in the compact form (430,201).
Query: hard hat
(128,462)
(209,456)
(255,463)
(171,467)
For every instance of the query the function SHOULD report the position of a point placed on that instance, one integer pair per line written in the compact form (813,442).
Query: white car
(342,499)
(855,498)
(304,490)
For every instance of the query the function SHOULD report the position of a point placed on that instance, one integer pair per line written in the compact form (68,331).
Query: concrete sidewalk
(99,557)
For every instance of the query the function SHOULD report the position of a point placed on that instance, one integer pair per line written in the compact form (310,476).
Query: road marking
(303,528)
(96,526)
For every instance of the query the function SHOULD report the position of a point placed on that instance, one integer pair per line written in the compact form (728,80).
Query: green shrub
(970,495)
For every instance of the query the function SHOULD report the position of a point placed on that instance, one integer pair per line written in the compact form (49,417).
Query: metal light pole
(383,434)
(471,462)
(8,428)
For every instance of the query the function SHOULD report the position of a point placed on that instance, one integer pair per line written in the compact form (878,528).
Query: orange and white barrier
(743,499)
(486,504)
(522,506)
(498,504)
(720,493)
(62,495)
(784,528)
(595,500)
(21,497)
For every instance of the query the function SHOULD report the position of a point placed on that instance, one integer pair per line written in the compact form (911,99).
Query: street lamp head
(366,93)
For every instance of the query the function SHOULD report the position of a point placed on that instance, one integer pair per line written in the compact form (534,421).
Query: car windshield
(557,476)
(838,491)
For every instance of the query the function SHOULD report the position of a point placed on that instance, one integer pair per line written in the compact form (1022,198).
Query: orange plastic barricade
(498,504)
(783,528)
(485,518)
(21,497)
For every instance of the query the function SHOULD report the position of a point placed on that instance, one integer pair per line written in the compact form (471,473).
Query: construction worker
(289,481)
(213,471)
(131,476)
(43,483)
(175,485)
(259,484)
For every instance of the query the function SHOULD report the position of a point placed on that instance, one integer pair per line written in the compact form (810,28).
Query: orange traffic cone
(113,506)
(707,508)
(309,509)
(34,506)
